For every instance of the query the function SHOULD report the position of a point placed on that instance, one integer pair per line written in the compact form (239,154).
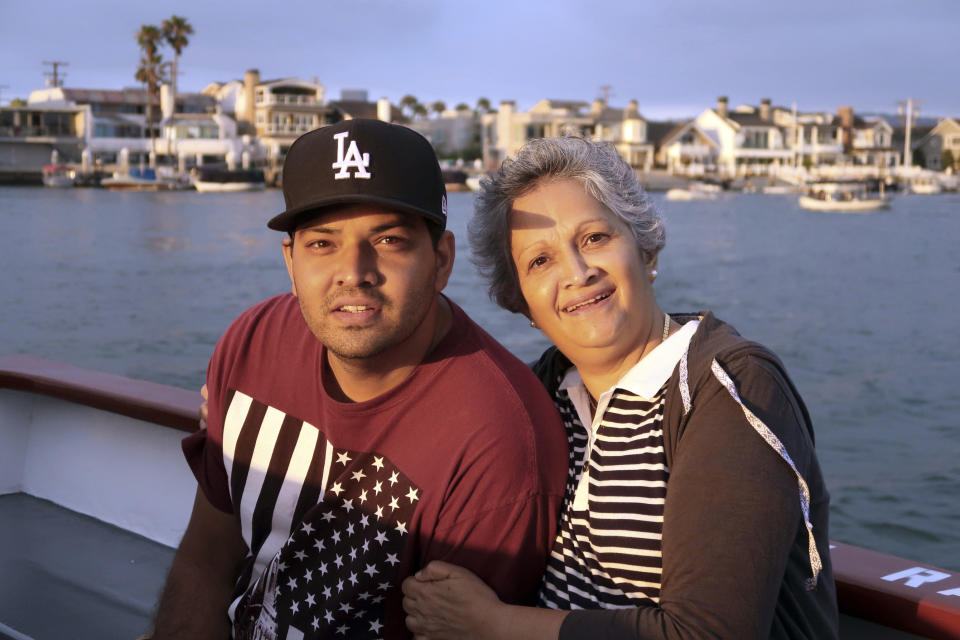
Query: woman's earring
(533,324)
(654,273)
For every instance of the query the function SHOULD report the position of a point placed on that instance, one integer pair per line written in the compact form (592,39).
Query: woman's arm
(447,602)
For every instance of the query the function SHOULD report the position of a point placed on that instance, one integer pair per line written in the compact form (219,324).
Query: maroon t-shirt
(464,461)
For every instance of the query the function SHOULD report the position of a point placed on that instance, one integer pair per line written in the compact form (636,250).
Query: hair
(605,176)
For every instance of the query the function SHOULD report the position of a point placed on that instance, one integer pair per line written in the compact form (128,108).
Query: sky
(673,56)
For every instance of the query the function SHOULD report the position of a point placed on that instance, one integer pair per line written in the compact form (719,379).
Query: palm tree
(175,32)
(439,107)
(483,105)
(148,72)
(419,111)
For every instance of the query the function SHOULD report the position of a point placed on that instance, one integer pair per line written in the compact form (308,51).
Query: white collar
(644,379)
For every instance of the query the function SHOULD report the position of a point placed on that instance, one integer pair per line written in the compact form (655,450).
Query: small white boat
(781,189)
(224,180)
(695,191)
(925,186)
(843,197)
(59,176)
(145,180)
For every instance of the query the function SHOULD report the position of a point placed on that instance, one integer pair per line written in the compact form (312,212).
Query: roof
(109,96)
(615,115)
(749,120)
(659,132)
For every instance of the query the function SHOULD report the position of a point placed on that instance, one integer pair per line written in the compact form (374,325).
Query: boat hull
(227,187)
(844,206)
(683,195)
(58,182)
(123,184)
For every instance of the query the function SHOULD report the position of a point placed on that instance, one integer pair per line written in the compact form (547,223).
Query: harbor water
(863,309)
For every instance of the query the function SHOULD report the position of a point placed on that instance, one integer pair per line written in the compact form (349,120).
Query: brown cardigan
(736,554)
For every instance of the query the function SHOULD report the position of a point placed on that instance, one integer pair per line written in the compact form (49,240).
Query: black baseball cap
(362,161)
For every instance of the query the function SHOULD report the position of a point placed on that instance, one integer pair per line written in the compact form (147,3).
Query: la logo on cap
(352,159)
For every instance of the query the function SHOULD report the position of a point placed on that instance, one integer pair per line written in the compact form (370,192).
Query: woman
(695,505)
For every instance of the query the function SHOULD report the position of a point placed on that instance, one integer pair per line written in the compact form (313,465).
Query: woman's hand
(203,407)
(446,601)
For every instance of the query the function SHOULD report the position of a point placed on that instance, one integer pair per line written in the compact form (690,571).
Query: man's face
(366,278)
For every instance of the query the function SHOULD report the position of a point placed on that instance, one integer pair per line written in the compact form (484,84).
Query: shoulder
(720,362)
(492,389)
(487,366)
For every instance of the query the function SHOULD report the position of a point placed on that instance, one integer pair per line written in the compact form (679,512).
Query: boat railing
(42,402)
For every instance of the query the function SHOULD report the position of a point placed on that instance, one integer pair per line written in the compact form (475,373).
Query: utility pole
(908,106)
(606,91)
(55,78)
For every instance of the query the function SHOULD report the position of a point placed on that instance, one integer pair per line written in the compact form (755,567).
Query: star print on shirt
(331,575)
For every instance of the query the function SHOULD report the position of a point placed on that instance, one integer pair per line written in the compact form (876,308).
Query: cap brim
(289,219)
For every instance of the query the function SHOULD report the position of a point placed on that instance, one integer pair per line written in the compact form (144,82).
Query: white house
(749,140)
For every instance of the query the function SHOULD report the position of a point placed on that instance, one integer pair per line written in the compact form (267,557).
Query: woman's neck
(601,369)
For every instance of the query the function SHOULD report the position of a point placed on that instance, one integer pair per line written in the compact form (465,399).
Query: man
(363,425)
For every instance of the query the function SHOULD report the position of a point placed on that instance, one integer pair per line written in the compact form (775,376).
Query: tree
(175,32)
(919,158)
(483,105)
(946,160)
(18,102)
(419,111)
(439,107)
(462,106)
(408,104)
(149,38)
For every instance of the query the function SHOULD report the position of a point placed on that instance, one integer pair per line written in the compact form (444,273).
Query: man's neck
(361,379)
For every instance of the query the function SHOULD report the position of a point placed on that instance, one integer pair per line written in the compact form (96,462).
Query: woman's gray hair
(605,176)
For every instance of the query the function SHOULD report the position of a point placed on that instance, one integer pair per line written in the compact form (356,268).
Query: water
(861,308)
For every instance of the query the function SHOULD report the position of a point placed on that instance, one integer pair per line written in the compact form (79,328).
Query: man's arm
(202,577)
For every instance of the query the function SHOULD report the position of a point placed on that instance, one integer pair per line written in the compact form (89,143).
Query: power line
(55,78)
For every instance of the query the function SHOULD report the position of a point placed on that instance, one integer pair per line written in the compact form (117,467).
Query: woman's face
(581,274)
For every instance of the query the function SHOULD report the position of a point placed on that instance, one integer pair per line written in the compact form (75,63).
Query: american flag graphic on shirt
(326,527)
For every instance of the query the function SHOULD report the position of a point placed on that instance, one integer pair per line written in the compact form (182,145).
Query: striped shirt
(607,551)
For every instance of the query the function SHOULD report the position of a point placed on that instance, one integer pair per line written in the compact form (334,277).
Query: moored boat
(142,180)
(925,186)
(59,176)
(695,191)
(227,180)
(843,197)
(89,459)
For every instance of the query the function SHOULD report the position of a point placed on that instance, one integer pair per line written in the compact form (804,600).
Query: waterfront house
(276,112)
(355,103)
(506,130)
(749,140)
(115,123)
(685,149)
(31,136)
(453,133)
(939,149)
(867,141)
(196,132)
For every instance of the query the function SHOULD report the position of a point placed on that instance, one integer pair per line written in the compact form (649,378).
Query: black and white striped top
(607,550)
